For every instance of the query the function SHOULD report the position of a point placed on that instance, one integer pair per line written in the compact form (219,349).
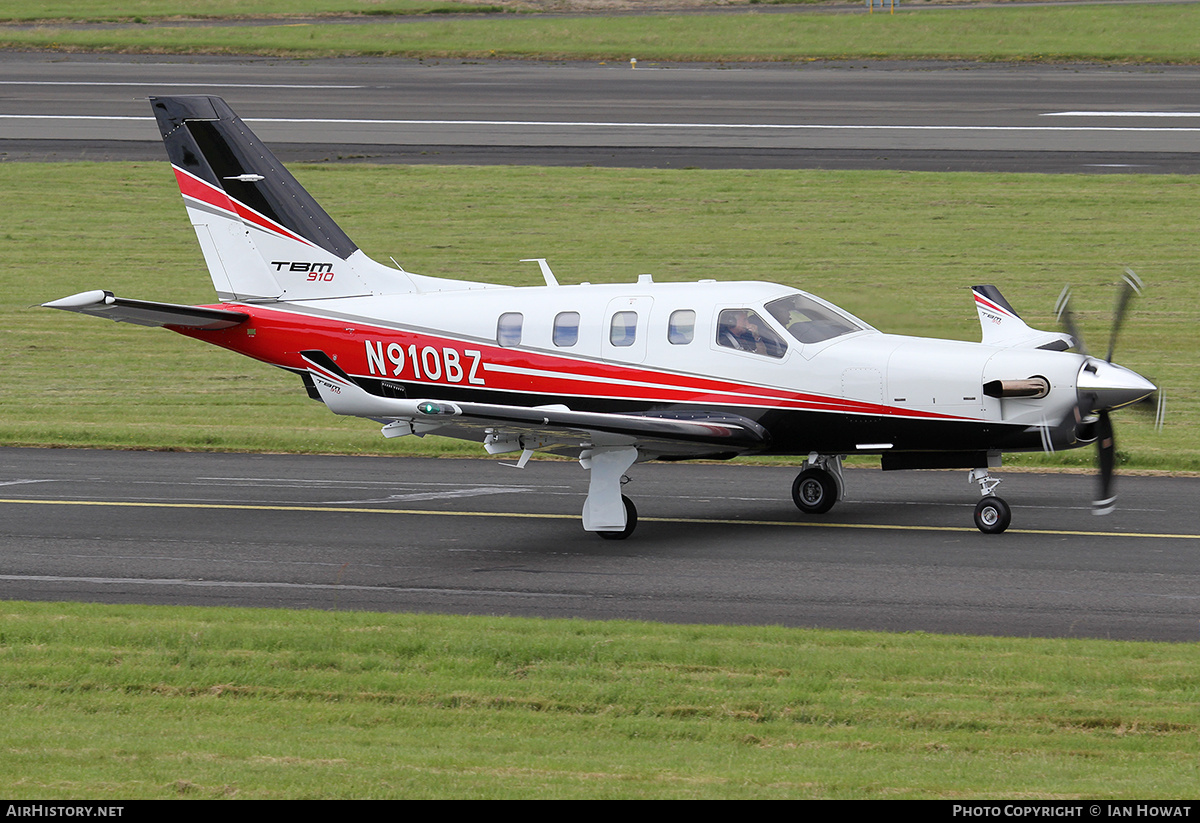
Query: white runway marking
(452,494)
(639,125)
(93,117)
(172,85)
(664,125)
(1121,114)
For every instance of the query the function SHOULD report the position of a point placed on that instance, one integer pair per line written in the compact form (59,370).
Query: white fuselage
(507,342)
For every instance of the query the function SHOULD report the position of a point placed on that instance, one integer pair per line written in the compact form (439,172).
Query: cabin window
(508,328)
(681,328)
(623,330)
(808,321)
(566,328)
(744,330)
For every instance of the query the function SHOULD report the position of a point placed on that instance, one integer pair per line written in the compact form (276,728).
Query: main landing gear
(606,511)
(992,514)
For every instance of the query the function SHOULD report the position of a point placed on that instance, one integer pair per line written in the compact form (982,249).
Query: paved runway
(716,543)
(1098,119)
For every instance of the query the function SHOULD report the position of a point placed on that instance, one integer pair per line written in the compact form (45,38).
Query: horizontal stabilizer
(101,303)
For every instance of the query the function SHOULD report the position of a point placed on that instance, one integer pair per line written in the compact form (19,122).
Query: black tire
(992,515)
(814,491)
(630,522)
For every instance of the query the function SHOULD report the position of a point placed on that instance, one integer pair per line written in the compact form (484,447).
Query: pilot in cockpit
(743,330)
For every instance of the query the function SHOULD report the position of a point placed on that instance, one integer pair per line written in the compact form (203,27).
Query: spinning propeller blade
(1062,310)
(1104,386)
(1133,286)
(1106,451)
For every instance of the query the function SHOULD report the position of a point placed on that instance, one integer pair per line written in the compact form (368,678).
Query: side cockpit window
(744,330)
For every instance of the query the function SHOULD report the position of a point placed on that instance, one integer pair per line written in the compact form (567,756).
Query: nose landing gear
(992,514)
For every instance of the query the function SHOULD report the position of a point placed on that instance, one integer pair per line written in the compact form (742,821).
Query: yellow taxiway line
(533,515)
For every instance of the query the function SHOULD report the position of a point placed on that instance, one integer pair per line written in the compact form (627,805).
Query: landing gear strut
(992,514)
(606,511)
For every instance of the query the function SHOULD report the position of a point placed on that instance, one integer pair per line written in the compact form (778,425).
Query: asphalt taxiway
(716,543)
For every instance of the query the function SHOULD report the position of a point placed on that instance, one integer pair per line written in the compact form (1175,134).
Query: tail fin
(263,236)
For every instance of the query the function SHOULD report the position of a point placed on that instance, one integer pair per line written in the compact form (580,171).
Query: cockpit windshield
(808,321)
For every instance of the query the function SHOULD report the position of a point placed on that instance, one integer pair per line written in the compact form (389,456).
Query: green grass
(1156,34)
(898,249)
(140,10)
(128,702)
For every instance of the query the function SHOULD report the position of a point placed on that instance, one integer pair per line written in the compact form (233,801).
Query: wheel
(992,515)
(814,491)
(630,522)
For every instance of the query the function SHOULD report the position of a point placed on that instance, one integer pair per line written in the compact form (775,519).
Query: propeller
(1062,310)
(1133,286)
(1104,386)
(1106,458)
(1155,404)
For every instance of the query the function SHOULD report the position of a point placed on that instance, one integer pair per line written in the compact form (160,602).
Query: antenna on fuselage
(547,275)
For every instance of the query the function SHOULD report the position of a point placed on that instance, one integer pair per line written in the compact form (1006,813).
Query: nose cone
(1107,386)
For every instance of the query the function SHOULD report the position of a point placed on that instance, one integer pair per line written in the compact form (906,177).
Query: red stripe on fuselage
(277,337)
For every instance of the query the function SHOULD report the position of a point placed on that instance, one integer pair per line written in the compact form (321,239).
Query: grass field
(132,10)
(1142,33)
(129,702)
(899,249)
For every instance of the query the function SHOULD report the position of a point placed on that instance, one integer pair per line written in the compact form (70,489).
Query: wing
(146,313)
(557,429)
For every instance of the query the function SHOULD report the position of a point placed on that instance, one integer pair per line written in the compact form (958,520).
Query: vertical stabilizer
(264,237)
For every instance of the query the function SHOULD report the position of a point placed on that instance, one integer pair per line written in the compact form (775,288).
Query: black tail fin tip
(204,138)
(993,294)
